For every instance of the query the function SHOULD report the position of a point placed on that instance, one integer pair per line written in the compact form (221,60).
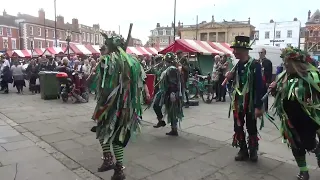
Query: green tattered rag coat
(118,110)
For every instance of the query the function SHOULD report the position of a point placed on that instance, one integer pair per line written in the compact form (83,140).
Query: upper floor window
(267,35)
(289,45)
(164,32)
(315,33)
(9,33)
(155,32)
(54,33)
(48,44)
(278,34)
(39,44)
(60,35)
(311,33)
(92,38)
(47,32)
(39,31)
(83,36)
(289,34)
(172,31)
(31,30)
(14,43)
(60,44)
(1,31)
(88,37)
(32,44)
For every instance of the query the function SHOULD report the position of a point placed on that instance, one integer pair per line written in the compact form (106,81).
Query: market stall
(54,51)
(203,50)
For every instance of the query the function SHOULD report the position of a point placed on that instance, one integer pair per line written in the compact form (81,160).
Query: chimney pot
(309,14)
(4,12)
(158,25)
(271,21)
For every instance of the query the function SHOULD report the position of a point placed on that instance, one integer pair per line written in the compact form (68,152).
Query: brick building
(9,32)
(312,33)
(24,30)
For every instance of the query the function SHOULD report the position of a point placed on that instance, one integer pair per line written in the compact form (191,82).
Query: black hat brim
(240,47)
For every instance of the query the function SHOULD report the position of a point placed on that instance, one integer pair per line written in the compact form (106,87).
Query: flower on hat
(295,54)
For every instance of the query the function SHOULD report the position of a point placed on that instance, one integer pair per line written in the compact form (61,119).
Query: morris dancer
(297,97)
(169,95)
(118,108)
(185,75)
(246,99)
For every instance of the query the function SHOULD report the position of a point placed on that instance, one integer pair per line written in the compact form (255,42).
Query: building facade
(217,31)
(161,36)
(26,32)
(135,42)
(9,33)
(281,34)
(312,33)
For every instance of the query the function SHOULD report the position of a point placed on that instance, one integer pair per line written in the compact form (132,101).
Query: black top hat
(179,52)
(242,42)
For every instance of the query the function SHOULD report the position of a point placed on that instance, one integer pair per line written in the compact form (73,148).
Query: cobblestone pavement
(52,140)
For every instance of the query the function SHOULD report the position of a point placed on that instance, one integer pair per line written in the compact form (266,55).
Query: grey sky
(144,14)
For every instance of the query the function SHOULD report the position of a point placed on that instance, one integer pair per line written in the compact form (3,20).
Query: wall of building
(279,34)
(9,36)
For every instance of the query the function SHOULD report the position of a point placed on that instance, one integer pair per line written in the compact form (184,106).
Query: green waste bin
(49,85)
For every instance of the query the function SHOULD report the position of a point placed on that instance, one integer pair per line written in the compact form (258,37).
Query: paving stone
(285,171)
(190,170)
(71,164)
(156,162)
(47,131)
(18,145)
(136,171)
(2,149)
(21,155)
(82,153)
(20,129)
(7,131)
(59,136)
(180,154)
(221,157)
(13,139)
(209,132)
(43,164)
(85,174)
(92,164)
(87,140)
(31,136)
(66,145)
(34,126)
(8,172)
(45,146)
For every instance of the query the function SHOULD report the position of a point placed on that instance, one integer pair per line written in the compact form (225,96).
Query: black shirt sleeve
(258,86)
(267,65)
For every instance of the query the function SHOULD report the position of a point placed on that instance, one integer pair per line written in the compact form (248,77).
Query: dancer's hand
(273,85)
(258,113)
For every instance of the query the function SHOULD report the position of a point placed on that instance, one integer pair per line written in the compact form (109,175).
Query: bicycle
(201,85)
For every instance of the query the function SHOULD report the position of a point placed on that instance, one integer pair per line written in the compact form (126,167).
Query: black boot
(160,123)
(303,175)
(253,148)
(118,172)
(243,154)
(173,132)
(108,163)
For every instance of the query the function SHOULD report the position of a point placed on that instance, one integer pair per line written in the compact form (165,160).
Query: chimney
(212,19)
(179,24)
(295,19)
(158,25)
(75,24)
(249,20)
(60,20)
(309,14)
(96,26)
(172,24)
(4,12)
(41,15)
(271,21)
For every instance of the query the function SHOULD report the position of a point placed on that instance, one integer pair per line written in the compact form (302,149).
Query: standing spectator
(51,64)
(33,73)
(221,71)
(266,74)
(6,76)
(214,75)
(18,76)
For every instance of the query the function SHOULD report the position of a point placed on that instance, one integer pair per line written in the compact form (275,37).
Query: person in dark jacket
(266,73)
(6,76)
(183,61)
(33,73)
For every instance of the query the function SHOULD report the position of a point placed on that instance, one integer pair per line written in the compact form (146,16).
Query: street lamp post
(31,45)
(68,33)
(174,20)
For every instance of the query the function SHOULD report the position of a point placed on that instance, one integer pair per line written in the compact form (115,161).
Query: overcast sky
(144,14)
